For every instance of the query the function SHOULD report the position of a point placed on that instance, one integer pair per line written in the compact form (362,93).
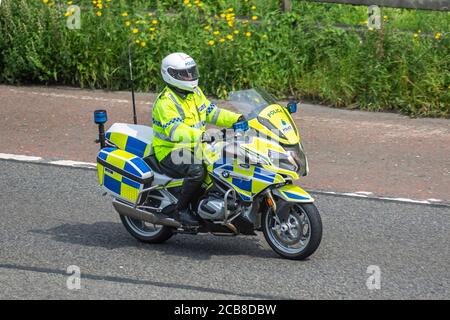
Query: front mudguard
(293,193)
(287,195)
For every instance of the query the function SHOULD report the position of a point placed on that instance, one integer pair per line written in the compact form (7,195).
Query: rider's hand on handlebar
(207,138)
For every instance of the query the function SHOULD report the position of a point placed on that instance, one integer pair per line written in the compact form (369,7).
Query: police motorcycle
(248,187)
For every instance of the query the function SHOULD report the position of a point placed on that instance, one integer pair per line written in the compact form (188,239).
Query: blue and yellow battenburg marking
(122,173)
(293,193)
(129,144)
(253,181)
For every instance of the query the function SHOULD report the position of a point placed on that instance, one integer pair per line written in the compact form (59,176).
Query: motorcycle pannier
(123,174)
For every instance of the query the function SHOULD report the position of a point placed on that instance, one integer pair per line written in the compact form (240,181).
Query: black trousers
(181,164)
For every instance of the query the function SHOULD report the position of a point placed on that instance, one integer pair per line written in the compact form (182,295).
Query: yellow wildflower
(222,40)
(248,34)
(99,13)
(207,28)
(211,42)
(154,21)
(236,31)
(127,23)
(437,35)
(253,7)
(135,30)
(230,37)
(254,18)
(125,14)
(216,33)
(152,29)
(143,44)
(45,1)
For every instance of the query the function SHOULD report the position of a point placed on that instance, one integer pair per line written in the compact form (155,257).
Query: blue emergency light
(100,116)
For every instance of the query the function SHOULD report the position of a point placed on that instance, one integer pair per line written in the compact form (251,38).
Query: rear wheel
(146,232)
(298,236)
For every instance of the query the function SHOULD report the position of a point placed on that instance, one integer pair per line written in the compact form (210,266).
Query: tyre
(146,232)
(299,236)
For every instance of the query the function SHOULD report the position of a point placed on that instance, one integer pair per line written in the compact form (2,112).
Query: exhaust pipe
(130,211)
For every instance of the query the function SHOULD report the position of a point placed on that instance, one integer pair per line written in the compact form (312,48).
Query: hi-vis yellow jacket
(179,123)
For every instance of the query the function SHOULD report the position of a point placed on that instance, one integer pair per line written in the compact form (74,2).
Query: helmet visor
(190,74)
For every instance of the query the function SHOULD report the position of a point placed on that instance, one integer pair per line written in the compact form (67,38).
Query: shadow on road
(111,235)
(160,284)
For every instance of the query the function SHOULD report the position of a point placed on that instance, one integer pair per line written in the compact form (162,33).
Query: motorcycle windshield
(265,115)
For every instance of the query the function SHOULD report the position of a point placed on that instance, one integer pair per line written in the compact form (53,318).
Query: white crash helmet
(180,70)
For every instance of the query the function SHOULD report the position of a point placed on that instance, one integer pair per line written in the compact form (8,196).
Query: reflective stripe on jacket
(179,123)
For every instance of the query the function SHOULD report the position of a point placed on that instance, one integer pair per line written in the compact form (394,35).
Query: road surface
(54,217)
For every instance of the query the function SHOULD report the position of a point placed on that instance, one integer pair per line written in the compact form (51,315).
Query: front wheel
(146,232)
(298,236)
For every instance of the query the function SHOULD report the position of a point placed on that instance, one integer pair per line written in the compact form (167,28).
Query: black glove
(241,118)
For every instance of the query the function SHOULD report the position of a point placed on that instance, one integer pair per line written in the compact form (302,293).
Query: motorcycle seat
(157,167)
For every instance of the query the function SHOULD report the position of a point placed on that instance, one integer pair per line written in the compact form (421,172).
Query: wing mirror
(292,106)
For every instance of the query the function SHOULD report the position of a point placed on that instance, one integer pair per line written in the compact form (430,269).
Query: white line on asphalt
(7,156)
(75,164)
(92,166)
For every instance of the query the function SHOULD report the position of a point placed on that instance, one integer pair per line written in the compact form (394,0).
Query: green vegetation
(237,44)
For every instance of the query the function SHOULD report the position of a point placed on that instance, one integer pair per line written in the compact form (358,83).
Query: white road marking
(367,193)
(7,156)
(93,166)
(76,164)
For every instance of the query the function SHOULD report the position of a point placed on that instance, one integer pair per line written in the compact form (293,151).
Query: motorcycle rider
(179,116)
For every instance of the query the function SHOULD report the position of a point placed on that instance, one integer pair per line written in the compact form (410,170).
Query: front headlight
(299,156)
